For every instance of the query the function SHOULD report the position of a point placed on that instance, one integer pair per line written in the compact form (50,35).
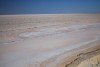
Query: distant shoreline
(50,14)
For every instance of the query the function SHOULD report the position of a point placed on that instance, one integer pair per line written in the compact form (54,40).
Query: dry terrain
(50,40)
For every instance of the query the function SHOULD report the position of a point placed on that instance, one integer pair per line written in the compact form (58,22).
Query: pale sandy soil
(47,40)
(92,62)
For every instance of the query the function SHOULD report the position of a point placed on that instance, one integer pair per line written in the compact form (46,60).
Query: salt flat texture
(52,31)
(47,40)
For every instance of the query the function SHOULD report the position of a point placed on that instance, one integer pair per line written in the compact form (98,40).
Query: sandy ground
(92,62)
(47,40)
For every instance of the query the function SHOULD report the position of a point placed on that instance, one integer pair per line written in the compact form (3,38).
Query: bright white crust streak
(54,31)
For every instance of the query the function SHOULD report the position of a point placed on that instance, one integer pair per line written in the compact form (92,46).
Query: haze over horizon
(48,6)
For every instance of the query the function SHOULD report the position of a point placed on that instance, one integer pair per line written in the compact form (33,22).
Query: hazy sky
(49,6)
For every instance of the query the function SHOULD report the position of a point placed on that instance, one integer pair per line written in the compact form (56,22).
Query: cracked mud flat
(68,40)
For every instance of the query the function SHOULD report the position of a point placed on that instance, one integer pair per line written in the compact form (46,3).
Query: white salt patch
(53,31)
(37,59)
